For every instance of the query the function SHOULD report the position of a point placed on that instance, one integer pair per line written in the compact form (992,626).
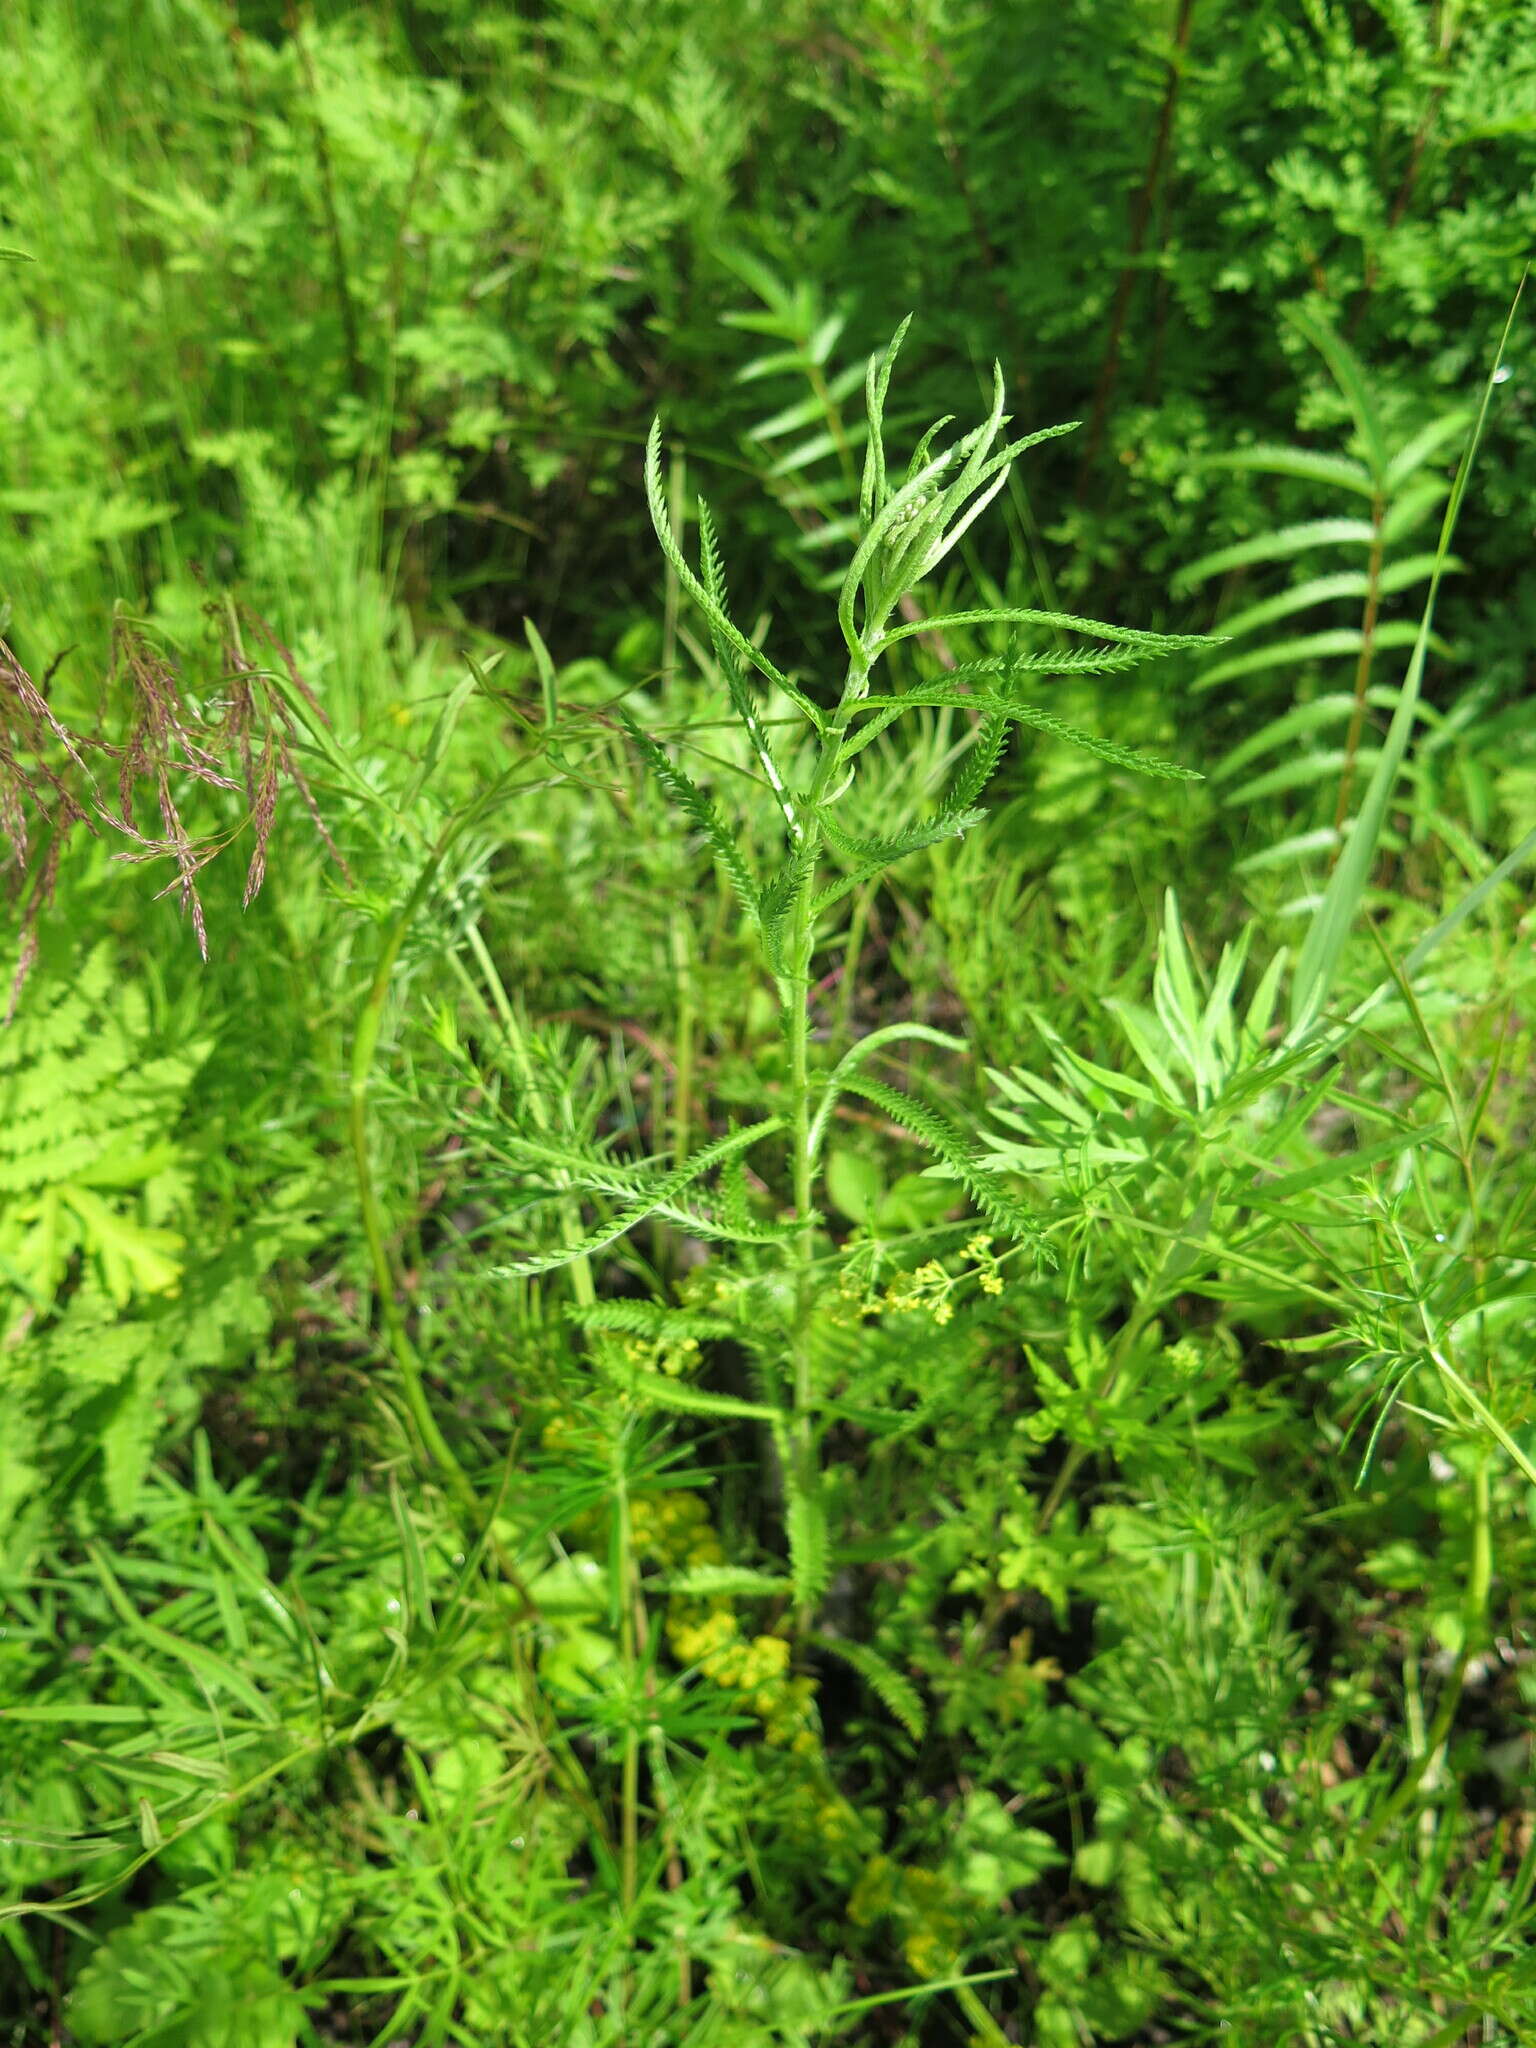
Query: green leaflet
(884,709)
(687,1399)
(896,1693)
(871,857)
(654,1197)
(691,800)
(644,1319)
(719,620)
(958,1155)
(810,1541)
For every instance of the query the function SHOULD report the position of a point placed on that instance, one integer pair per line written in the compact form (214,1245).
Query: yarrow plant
(907,528)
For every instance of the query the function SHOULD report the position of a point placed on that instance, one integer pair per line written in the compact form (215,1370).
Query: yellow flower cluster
(931,1286)
(850,1301)
(920,1902)
(672,1529)
(675,1356)
(708,1636)
(928,1287)
(988,1278)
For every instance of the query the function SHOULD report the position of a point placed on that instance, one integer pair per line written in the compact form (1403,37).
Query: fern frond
(884,709)
(691,800)
(655,1197)
(958,1155)
(736,682)
(872,857)
(896,1693)
(644,1319)
(719,619)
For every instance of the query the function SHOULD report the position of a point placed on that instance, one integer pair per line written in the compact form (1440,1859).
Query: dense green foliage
(766,1266)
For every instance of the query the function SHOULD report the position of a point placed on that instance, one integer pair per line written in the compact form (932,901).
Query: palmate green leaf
(692,801)
(883,709)
(656,1196)
(895,1692)
(719,619)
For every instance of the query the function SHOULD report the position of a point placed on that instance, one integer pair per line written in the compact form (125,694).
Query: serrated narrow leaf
(1308,464)
(1324,646)
(1277,546)
(723,1582)
(895,1692)
(647,1202)
(682,1397)
(656,501)
(1069,622)
(932,694)
(936,1131)
(696,806)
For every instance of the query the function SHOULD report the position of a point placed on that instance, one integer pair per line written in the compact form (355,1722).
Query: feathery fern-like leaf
(896,1693)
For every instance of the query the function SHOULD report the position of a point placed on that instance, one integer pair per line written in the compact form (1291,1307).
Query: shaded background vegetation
(352,320)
